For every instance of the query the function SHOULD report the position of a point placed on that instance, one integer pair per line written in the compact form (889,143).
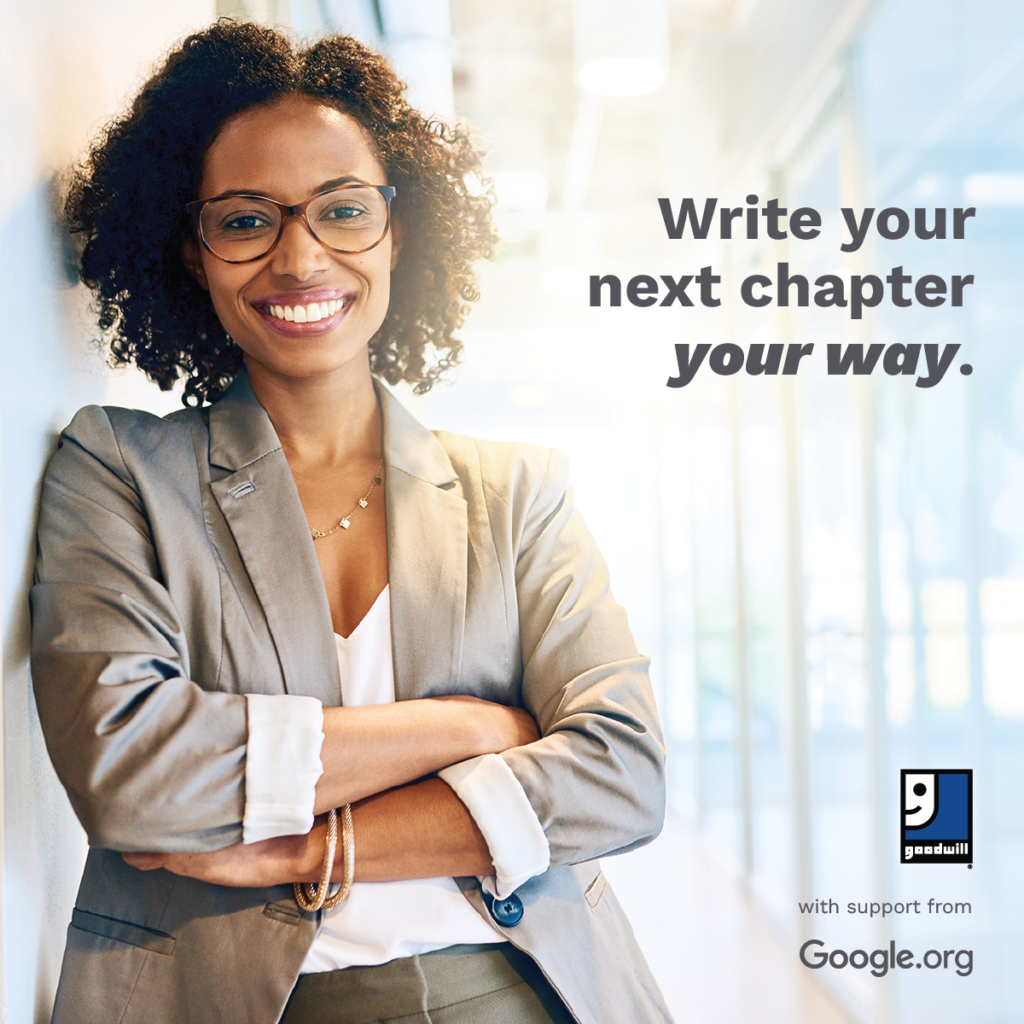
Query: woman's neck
(324,420)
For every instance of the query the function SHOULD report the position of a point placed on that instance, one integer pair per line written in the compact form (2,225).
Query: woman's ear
(194,262)
(397,238)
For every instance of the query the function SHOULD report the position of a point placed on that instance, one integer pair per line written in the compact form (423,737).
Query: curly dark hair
(151,308)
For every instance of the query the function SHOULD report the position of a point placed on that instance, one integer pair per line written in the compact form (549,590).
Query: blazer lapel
(427,556)
(258,498)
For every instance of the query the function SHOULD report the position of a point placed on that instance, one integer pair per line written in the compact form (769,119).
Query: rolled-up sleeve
(282,765)
(506,819)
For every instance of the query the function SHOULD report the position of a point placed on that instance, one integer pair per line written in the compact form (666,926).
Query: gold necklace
(346,521)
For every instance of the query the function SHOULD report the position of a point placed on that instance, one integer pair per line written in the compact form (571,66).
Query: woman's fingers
(271,862)
(500,726)
(145,861)
(515,727)
(523,728)
(232,865)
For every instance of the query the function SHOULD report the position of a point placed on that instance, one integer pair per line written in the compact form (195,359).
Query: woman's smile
(304,314)
(302,309)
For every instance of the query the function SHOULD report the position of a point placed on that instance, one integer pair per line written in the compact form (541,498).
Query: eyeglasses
(243,228)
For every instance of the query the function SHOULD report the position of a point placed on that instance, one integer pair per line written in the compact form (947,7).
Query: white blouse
(381,921)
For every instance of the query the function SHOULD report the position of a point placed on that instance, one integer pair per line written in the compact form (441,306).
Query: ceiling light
(622,76)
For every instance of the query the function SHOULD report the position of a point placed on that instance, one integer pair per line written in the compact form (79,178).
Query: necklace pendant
(363,503)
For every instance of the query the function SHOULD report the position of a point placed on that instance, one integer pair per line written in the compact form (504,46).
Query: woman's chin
(312,364)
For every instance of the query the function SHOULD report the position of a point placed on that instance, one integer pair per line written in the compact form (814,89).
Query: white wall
(64,68)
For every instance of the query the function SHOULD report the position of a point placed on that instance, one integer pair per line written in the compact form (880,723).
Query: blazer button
(507,912)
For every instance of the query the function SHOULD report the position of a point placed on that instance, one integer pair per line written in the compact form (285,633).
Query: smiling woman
(260,255)
(295,606)
(128,204)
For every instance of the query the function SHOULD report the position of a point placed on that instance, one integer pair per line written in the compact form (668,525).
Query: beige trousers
(496,984)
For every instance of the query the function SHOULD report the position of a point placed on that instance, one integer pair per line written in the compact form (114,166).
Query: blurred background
(827,571)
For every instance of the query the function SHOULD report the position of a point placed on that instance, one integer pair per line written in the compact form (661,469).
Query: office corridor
(716,958)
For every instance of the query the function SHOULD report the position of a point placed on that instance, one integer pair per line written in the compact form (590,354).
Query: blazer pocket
(595,891)
(285,911)
(123,931)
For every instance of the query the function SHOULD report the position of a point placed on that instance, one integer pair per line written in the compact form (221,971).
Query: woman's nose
(298,254)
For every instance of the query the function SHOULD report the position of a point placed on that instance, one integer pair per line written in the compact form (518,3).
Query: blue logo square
(936,816)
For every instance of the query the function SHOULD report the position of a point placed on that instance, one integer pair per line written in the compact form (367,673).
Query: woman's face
(289,152)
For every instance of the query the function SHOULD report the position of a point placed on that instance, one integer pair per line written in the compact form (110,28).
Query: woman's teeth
(306,314)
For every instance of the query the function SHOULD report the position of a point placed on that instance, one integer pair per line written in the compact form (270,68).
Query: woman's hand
(499,727)
(253,865)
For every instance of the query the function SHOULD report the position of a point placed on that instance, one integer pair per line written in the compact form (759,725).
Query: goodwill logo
(936,825)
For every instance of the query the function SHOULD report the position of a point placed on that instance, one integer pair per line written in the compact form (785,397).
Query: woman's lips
(304,318)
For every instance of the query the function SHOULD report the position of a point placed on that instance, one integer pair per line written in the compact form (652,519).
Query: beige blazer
(176,573)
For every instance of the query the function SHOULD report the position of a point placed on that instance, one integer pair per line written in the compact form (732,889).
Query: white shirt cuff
(503,813)
(282,765)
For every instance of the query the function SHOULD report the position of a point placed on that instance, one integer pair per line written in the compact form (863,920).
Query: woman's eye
(343,211)
(242,222)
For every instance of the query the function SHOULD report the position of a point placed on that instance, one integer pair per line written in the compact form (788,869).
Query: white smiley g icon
(919,789)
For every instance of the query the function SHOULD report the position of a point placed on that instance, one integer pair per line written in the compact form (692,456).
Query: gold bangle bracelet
(312,896)
(348,852)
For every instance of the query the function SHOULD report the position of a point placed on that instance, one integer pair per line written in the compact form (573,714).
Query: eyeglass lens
(240,228)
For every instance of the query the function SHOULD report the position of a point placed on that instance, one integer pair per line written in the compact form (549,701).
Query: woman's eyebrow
(348,179)
(325,186)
